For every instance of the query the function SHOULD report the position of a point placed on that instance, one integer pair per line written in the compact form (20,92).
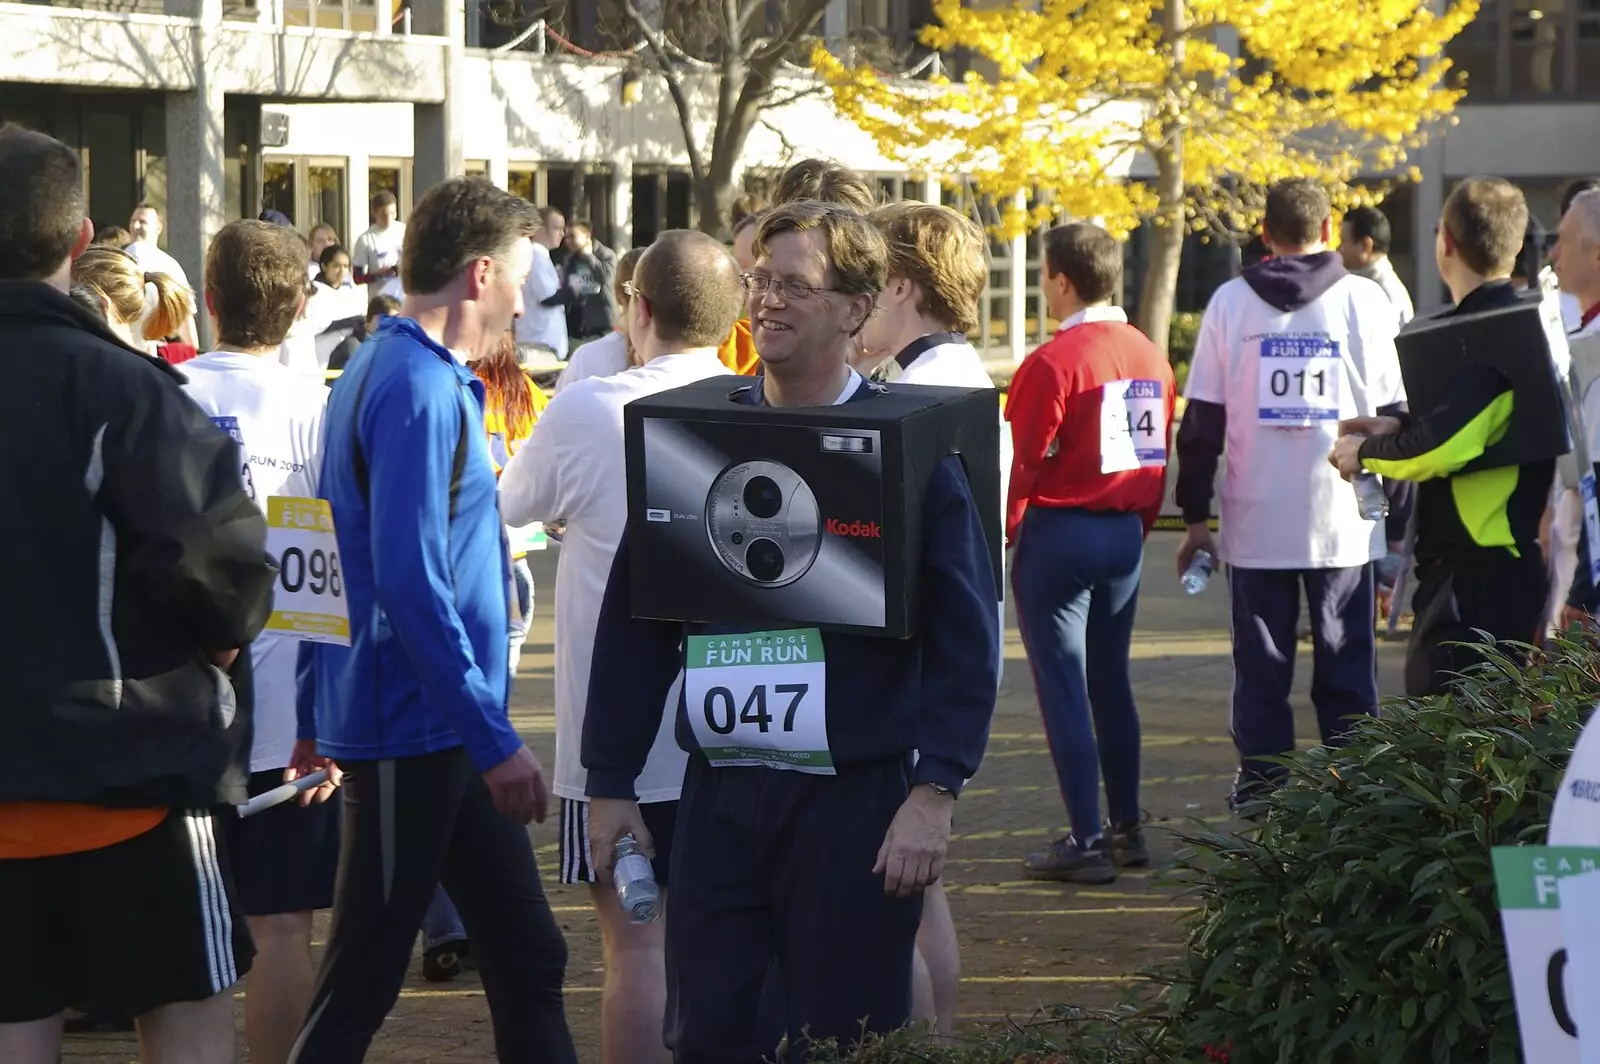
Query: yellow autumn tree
(1224,97)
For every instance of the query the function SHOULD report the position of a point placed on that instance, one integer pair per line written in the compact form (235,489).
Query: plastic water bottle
(636,882)
(1370,497)
(1199,572)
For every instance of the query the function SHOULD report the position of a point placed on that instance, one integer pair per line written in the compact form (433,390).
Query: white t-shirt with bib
(572,468)
(276,415)
(1286,379)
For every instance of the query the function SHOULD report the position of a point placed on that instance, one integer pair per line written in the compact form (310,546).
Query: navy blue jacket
(933,693)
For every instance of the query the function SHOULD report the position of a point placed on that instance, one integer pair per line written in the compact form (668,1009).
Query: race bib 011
(1133,426)
(1299,382)
(309,600)
(760,699)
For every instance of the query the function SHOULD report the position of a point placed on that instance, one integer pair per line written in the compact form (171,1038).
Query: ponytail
(167,306)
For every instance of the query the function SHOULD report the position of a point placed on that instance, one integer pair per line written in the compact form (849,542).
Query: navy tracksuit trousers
(1344,681)
(772,867)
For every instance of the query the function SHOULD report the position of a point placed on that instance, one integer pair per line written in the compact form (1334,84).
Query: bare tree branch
(773,103)
(804,17)
(655,40)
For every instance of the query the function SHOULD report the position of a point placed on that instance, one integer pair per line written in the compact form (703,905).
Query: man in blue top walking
(438,786)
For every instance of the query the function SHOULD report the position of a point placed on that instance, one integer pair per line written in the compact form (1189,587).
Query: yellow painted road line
(1052,979)
(477,991)
(1120,910)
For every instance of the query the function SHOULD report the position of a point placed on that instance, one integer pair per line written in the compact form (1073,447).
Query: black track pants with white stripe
(409,824)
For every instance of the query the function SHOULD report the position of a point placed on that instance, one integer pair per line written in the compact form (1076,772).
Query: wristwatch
(939,788)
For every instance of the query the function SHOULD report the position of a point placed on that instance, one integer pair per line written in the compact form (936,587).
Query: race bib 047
(309,600)
(1133,426)
(760,699)
(1300,379)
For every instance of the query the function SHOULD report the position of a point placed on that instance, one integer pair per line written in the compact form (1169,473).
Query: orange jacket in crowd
(738,351)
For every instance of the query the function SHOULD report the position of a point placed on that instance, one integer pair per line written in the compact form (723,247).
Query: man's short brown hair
(1086,255)
(858,258)
(41,204)
(817,179)
(691,284)
(942,252)
(1486,218)
(1296,210)
(457,222)
(256,276)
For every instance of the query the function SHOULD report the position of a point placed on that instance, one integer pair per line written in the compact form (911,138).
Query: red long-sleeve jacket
(1091,416)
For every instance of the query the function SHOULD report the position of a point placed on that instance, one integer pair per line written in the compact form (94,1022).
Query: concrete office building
(217,109)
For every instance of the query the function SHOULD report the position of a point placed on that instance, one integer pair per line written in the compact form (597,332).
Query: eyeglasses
(630,290)
(761,283)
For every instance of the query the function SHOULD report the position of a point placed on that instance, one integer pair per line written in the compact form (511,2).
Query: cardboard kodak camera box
(790,516)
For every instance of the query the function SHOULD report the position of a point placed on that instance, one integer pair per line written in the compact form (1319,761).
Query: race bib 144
(760,699)
(1133,425)
(1300,379)
(309,600)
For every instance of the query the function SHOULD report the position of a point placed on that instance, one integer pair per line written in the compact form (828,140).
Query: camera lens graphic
(764,523)
(764,559)
(762,497)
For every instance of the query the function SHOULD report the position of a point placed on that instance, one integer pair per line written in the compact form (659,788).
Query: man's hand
(1382,425)
(1197,539)
(517,784)
(609,820)
(1572,615)
(1346,455)
(303,762)
(912,854)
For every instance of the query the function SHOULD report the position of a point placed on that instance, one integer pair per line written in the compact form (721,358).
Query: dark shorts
(126,928)
(285,858)
(577,864)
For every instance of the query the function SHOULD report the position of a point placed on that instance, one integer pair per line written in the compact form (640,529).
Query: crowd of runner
(159,681)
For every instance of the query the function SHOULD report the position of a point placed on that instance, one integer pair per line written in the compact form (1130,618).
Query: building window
(278,186)
(356,16)
(325,196)
(663,199)
(309,191)
(389,177)
(1531,50)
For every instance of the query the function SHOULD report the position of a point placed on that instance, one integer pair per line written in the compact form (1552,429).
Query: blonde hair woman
(141,308)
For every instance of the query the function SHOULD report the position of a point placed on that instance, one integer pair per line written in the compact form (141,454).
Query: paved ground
(1023,943)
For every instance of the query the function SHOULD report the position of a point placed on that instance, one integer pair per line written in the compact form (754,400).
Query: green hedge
(1181,338)
(1356,923)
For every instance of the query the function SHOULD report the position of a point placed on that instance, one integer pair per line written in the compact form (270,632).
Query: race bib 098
(309,600)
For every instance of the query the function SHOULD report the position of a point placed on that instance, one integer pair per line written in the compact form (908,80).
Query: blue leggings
(1076,584)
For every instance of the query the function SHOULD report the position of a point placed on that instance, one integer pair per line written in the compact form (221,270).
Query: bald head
(690,285)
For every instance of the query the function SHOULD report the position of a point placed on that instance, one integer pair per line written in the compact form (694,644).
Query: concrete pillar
(622,206)
(196,155)
(932,190)
(500,167)
(1017,326)
(835,20)
(1427,202)
(358,196)
(439,154)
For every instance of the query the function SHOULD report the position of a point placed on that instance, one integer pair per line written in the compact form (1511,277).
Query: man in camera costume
(821,873)
(1478,560)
